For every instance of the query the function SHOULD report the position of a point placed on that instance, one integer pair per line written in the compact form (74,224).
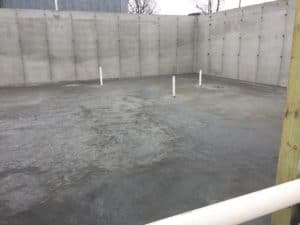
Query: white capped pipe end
(100,76)
(56,5)
(200,78)
(174,86)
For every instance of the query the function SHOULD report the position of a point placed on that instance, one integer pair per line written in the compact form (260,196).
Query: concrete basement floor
(128,153)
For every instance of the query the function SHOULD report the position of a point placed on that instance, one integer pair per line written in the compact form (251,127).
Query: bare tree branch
(208,6)
(142,6)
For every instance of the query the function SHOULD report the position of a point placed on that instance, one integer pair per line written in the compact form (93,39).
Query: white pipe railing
(241,209)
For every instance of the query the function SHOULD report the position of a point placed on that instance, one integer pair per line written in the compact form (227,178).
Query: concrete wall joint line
(48,48)
(283,45)
(177,44)
(98,52)
(20,47)
(239,46)
(223,45)
(139,46)
(119,46)
(73,47)
(159,53)
(259,44)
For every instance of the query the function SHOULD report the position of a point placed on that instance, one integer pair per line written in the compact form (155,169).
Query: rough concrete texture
(250,44)
(129,153)
(52,46)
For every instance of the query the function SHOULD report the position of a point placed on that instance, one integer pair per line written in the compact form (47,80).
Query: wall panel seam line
(48,48)
(239,47)
(97,43)
(195,29)
(73,47)
(177,45)
(20,47)
(282,47)
(119,46)
(159,51)
(258,57)
(223,47)
(139,46)
(209,45)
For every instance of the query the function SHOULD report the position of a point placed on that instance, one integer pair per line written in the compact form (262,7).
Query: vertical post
(289,155)
(174,86)
(200,77)
(240,3)
(56,5)
(101,76)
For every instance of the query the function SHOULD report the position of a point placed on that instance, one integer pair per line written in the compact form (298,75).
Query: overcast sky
(183,7)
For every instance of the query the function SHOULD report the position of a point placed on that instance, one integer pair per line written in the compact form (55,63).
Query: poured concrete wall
(249,44)
(39,46)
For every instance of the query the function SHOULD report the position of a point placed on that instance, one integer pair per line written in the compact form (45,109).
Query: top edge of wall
(262,5)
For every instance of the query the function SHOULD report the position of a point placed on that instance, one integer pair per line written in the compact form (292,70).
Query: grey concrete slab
(168,39)
(203,43)
(107,31)
(61,49)
(232,43)
(85,44)
(149,39)
(33,35)
(216,31)
(250,38)
(271,46)
(129,153)
(129,45)
(10,52)
(185,46)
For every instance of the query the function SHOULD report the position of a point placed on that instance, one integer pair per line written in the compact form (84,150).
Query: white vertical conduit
(56,5)
(174,86)
(100,76)
(200,77)
(241,209)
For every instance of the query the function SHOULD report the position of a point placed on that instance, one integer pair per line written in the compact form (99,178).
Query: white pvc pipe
(174,86)
(241,209)
(100,76)
(200,77)
(56,5)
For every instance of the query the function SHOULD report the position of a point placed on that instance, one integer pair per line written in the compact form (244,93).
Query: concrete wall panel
(168,39)
(33,34)
(61,50)
(287,44)
(149,40)
(185,45)
(129,45)
(273,28)
(108,37)
(232,43)
(10,52)
(216,44)
(203,43)
(85,44)
(250,35)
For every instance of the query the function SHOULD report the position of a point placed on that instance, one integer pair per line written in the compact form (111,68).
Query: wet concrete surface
(128,153)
